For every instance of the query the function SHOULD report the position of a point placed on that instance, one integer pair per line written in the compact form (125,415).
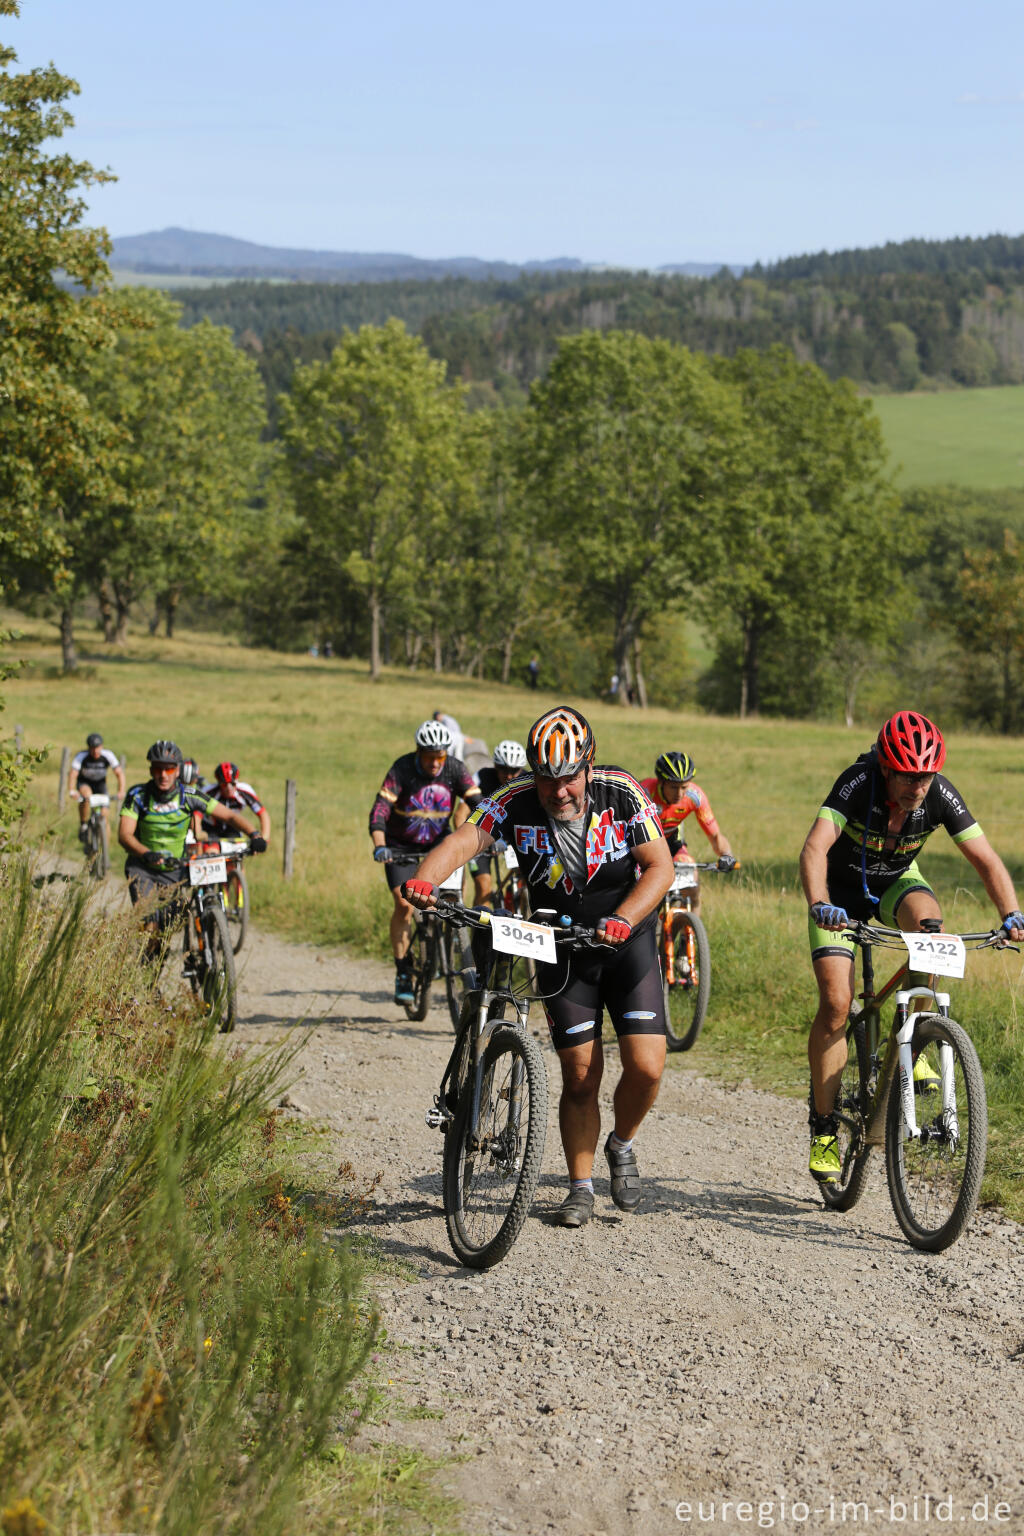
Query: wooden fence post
(290,795)
(62,787)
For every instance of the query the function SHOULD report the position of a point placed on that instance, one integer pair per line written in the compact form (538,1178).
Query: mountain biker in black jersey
(87,776)
(155,820)
(590,846)
(231,790)
(411,811)
(859,860)
(509,759)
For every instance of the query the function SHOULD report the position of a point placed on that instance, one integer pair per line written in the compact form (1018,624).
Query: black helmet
(94,739)
(675,767)
(164,752)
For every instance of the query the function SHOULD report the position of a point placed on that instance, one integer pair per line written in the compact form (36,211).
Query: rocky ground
(731,1355)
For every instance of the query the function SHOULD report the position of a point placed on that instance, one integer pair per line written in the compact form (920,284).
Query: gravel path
(730,1341)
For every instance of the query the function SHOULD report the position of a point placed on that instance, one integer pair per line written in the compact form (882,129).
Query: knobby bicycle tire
(488,1190)
(934,1183)
(218,981)
(97,846)
(691,993)
(236,907)
(423,950)
(851,1106)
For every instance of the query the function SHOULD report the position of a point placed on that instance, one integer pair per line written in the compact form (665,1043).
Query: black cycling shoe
(626,1191)
(576,1209)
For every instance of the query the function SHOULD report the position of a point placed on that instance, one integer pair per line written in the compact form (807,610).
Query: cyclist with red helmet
(590,847)
(860,861)
(237,795)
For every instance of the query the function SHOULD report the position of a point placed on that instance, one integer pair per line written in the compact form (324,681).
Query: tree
(628,445)
(52,452)
(810,538)
(989,621)
(373,456)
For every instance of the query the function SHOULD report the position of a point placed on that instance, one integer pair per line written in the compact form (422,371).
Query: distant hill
(187,251)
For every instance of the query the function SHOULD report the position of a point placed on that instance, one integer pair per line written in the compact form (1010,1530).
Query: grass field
(326,725)
(964,436)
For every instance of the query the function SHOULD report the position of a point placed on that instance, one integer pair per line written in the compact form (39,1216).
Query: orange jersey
(693,799)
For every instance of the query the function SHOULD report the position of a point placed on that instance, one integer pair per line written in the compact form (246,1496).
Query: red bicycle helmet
(225,773)
(910,743)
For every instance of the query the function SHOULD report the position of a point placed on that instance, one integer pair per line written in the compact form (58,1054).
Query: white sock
(617,1145)
(581,1184)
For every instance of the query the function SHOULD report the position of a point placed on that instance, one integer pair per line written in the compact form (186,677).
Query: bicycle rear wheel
(236,907)
(691,987)
(934,1181)
(490,1176)
(851,1104)
(218,963)
(423,955)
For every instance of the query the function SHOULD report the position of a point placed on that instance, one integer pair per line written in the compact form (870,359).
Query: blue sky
(639,135)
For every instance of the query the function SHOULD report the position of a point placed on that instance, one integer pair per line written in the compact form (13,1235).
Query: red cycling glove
(614,930)
(418,890)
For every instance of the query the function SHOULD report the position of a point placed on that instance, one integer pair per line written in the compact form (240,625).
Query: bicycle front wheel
(219,986)
(851,1104)
(456,962)
(688,995)
(423,954)
(98,846)
(934,1180)
(491,1169)
(236,907)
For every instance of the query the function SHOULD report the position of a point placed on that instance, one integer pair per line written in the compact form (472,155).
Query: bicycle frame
(480,1028)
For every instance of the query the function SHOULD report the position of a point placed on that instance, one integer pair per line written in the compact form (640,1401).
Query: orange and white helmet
(560,743)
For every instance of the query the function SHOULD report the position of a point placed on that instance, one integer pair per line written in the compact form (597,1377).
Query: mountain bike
(492,1105)
(934,1137)
(209,963)
(685,958)
(97,837)
(434,952)
(236,893)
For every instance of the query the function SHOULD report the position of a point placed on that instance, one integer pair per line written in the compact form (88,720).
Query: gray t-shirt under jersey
(571,837)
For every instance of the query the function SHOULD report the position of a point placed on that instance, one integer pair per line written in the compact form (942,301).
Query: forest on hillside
(889,330)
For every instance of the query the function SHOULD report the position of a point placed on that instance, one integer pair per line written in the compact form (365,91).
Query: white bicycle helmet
(509,754)
(434,736)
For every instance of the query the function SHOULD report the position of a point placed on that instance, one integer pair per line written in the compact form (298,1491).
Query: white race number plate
(943,954)
(208,871)
(511,862)
(685,878)
(453,884)
(511,936)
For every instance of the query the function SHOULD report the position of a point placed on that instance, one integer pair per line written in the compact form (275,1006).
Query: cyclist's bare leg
(84,803)
(826,1044)
(915,908)
(401,926)
(643,1062)
(579,1118)
(482,887)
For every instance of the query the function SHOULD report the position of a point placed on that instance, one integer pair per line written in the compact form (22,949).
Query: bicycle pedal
(438,1118)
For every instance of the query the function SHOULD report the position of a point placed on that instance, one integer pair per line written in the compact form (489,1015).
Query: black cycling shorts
(94,786)
(399,871)
(626,982)
(165,884)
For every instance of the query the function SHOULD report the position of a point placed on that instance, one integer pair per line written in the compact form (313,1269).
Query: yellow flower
(207,1344)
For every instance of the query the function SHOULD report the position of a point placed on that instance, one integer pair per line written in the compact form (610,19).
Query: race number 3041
(512,936)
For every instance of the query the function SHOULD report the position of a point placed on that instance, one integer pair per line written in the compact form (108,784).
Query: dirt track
(729,1341)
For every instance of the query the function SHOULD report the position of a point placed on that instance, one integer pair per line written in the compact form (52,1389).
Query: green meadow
(325,724)
(964,436)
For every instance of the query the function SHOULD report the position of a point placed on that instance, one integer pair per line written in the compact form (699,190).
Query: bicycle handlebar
(575,935)
(872,934)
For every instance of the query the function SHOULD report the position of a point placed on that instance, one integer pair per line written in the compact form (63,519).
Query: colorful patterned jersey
(856,804)
(411,809)
(162,824)
(620,817)
(692,801)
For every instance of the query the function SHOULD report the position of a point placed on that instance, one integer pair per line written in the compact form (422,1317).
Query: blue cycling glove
(1012,920)
(382,855)
(827,916)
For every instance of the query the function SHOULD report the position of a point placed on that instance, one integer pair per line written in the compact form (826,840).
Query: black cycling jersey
(488,780)
(620,818)
(93,770)
(413,809)
(856,804)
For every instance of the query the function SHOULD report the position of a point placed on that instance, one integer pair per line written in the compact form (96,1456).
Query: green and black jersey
(866,850)
(162,825)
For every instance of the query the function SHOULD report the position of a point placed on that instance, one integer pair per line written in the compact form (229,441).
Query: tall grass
(179,1344)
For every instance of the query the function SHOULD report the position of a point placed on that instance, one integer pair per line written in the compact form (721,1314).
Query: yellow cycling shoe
(824,1164)
(926,1079)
